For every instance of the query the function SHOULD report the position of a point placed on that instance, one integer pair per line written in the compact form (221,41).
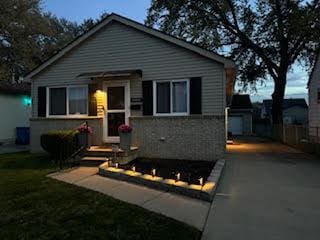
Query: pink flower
(125,128)
(84,128)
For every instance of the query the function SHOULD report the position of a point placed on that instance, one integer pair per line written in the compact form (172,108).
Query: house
(171,92)
(15,106)
(295,110)
(240,115)
(314,101)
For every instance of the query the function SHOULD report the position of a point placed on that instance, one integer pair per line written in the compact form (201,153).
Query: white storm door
(117,109)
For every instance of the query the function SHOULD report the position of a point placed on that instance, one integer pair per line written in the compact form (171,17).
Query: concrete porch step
(97,153)
(92,161)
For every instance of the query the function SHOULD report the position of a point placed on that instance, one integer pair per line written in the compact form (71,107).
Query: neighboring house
(240,115)
(256,112)
(15,106)
(295,110)
(314,100)
(171,92)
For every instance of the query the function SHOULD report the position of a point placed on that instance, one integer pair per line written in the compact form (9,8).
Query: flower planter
(125,141)
(125,137)
(84,140)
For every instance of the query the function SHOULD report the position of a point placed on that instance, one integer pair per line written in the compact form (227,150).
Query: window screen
(78,100)
(57,101)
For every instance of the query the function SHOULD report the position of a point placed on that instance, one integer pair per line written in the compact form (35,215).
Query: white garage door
(235,125)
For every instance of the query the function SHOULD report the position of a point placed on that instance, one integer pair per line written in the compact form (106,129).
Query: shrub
(60,143)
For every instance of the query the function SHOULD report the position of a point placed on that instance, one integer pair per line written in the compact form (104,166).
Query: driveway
(268,191)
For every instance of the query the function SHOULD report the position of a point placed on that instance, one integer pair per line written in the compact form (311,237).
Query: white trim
(171,98)
(126,110)
(114,17)
(67,115)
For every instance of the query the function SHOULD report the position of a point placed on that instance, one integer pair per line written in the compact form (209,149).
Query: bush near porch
(33,206)
(58,142)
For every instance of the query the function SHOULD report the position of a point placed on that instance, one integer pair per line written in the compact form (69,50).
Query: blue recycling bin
(23,135)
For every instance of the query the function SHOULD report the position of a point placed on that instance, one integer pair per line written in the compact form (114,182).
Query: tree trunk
(277,101)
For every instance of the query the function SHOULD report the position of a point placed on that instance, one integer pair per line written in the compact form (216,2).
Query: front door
(117,109)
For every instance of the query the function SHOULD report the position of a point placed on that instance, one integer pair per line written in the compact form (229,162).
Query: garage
(235,125)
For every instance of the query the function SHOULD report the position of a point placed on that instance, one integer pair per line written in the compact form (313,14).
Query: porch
(97,155)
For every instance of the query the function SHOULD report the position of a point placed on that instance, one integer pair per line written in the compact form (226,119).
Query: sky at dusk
(78,10)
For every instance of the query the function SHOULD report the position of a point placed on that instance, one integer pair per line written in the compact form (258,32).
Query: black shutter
(42,101)
(195,95)
(92,101)
(147,91)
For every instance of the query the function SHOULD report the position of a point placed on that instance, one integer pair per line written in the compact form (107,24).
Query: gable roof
(241,101)
(128,22)
(287,103)
(23,88)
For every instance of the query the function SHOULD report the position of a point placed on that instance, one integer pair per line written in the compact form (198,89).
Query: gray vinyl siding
(314,106)
(119,47)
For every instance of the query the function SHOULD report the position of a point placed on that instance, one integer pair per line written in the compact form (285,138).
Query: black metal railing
(70,150)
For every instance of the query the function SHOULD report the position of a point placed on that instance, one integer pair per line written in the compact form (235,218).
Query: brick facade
(189,137)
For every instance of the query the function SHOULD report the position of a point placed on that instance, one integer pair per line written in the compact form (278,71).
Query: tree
(28,36)
(265,37)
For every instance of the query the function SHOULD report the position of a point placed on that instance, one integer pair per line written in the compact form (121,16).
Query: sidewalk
(190,211)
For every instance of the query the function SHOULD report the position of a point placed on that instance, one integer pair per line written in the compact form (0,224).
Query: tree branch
(234,29)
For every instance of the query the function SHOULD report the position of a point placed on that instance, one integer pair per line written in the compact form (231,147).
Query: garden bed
(197,179)
(189,171)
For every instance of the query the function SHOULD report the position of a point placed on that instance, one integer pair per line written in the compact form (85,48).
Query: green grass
(33,206)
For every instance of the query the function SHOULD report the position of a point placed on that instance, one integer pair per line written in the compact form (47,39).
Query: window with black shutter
(42,101)
(147,92)
(196,95)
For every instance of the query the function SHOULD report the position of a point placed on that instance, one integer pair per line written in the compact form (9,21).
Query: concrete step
(102,151)
(92,161)
(97,153)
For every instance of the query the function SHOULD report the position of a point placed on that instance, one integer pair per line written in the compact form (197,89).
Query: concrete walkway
(268,191)
(190,211)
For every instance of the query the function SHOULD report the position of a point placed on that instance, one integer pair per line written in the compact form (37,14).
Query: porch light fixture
(153,172)
(117,165)
(26,101)
(133,168)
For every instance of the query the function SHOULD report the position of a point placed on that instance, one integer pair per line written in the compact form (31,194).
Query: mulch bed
(190,171)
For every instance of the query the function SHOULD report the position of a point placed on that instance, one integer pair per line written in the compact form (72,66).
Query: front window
(163,97)
(171,97)
(58,101)
(78,100)
(65,101)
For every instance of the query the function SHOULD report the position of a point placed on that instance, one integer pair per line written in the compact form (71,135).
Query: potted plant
(125,137)
(84,135)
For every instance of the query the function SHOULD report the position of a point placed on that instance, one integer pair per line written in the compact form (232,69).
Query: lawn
(33,206)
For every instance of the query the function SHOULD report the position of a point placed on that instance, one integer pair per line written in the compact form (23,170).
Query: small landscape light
(201,181)
(153,172)
(177,177)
